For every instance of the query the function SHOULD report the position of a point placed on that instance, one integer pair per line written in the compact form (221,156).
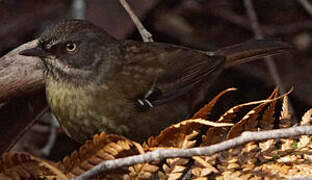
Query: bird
(96,83)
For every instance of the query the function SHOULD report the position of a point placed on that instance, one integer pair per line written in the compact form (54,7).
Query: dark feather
(182,68)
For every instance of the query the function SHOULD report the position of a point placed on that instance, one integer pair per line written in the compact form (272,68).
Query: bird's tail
(252,50)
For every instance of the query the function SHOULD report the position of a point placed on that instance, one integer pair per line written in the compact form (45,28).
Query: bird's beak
(37,51)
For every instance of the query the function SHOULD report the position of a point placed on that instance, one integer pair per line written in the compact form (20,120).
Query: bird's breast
(84,111)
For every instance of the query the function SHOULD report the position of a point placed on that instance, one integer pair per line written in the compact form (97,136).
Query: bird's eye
(71,47)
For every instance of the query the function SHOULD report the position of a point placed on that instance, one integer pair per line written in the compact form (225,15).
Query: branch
(259,35)
(306,5)
(146,36)
(78,9)
(20,75)
(162,154)
(251,13)
(269,29)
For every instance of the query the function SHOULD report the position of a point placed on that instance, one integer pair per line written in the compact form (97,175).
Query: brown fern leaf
(285,118)
(143,170)
(205,111)
(240,162)
(217,134)
(249,121)
(214,135)
(204,166)
(102,147)
(18,165)
(270,159)
(306,118)
(305,142)
(245,162)
(181,135)
(173,168)
(175,135)
(267,120)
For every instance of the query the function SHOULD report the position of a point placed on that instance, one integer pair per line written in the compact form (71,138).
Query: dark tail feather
(252,50)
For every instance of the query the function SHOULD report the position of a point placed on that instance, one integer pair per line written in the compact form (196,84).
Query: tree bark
(20,75)
(22,98)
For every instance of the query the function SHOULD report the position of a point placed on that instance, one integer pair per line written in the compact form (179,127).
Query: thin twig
(79,9)
(306,5)
(26,129)
(259,35)
(161,154)
(146,36)
(46,150)
(269,29)
(251,13)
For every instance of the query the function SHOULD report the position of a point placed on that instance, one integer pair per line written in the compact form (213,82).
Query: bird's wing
(170,71)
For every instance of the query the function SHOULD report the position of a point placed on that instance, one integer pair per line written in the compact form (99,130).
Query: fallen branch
(162,154)
(20,75)
(306,5)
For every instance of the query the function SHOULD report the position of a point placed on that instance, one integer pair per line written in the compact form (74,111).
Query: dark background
(201,24)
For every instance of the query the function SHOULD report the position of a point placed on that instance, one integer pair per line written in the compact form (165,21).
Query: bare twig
(146,36)
(161,154)
(306,5)
(78,9)
(259,35)
(17,116)
(268,29)
(253,19)
(46,150)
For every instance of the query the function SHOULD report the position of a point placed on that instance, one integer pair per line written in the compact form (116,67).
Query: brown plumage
(96,83)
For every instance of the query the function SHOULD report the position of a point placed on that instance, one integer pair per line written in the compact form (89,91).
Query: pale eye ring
(71,47)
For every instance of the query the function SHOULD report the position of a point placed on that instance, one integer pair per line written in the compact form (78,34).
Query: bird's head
(75,50)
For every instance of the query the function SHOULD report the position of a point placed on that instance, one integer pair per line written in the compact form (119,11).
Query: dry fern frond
(143,170)
(270,159)
(17,165)
(285,118)
(306,118)
(178,136)
(268,119)
(204,166)
(216,134)
(173,168)
(175,134)
(102,147)
(249,121)
(205,111)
